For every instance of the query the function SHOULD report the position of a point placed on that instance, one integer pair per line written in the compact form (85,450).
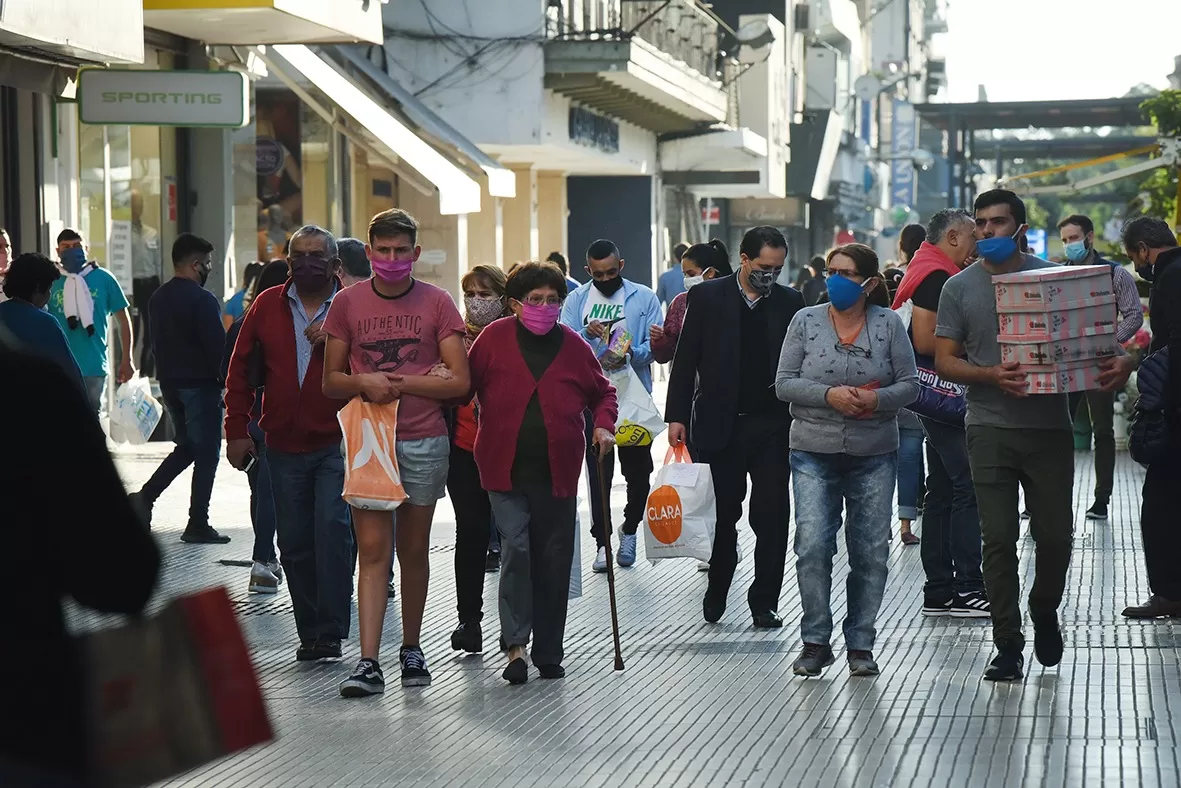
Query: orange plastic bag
(371,476)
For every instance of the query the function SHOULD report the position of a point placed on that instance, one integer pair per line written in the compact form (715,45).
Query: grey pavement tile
(709,705)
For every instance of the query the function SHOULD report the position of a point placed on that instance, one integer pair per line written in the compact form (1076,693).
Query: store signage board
(163,98)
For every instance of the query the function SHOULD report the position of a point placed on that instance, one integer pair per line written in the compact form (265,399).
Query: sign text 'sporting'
(164,98)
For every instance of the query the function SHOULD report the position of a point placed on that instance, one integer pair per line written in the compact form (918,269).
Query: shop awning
(459,193)
(814,147)
(502,182)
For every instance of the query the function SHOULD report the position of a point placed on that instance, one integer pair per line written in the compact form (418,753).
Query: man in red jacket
(282,335)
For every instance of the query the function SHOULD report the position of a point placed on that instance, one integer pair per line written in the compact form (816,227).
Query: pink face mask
(391,270)
(540,319)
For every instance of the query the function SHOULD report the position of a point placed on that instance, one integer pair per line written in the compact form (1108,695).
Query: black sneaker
(492,562)
(937,607)
(414,672)
(304,652)
(1047,638)
(468,637)
(551,671)
(324,648)
(366,679)
(812,660)
(1006,666)
(1098,511)
(203,534)
(972,605)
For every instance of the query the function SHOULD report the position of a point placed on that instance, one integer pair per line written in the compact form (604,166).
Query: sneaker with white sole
(626,555)
(276,569)
(972,605)
(703,566)
(600,564)
(937,607)
(366,679)
(263,580)
(414,672)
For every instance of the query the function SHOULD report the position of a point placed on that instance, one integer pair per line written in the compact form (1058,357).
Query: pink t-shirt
(401,335)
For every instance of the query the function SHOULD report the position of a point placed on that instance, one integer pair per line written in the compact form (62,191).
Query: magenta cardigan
(573,383)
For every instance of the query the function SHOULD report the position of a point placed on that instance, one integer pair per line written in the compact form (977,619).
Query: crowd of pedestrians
(504,404)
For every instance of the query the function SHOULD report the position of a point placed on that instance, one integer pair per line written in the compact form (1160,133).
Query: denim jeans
(262,500)
(951,545)
(196,415)
(910,473)
(315,540)
(824,484)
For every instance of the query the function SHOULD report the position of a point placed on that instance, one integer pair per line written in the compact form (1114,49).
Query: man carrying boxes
(1015,439)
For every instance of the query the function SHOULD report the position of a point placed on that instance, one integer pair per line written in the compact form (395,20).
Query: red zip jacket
(294,419)
(573,383)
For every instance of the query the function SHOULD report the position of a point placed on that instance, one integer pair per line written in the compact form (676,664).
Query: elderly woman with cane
(538,377)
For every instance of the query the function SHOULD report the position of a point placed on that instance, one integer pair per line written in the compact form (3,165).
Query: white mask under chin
(691,281)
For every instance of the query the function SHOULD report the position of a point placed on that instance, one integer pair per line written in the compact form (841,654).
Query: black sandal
(517,672)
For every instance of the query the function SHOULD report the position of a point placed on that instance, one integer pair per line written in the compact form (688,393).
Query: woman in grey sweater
(846,367)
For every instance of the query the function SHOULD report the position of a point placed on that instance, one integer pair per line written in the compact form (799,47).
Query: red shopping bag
(170,693)
(371,476)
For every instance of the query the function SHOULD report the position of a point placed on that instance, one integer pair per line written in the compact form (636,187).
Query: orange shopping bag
(371,477)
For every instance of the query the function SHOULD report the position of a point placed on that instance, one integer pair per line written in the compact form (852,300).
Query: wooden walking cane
(605,494)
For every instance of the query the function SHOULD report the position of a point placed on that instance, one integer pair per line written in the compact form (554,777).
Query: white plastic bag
(136,413)
(639,419)
(681,514)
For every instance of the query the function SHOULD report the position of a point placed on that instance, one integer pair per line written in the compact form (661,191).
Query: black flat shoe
(517,672)
(551,671)
(468,637)
(713,608)
(767,620)
(203,534)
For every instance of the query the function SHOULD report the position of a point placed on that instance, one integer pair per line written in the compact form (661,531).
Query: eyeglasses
(846,274)
(538,301)
(853,350)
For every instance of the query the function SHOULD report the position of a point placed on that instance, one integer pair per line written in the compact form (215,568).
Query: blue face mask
(73,259)
(997,249)
(843,292)
(1076,250)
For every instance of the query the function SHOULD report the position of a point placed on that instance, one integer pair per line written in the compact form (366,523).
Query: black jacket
(188,338)
(703,385)
(1164,314)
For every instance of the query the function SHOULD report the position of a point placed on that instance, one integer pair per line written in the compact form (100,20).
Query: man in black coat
(1154,251)
(722,391)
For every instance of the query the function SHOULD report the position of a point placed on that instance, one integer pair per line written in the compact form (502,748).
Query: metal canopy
(1069,148)
(978,116)
(609,98)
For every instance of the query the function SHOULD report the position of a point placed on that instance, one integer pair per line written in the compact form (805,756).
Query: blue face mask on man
(843,292)
(73,259)
(998,249)
(1076,251)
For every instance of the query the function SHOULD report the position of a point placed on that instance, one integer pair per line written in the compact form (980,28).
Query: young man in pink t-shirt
(385,335)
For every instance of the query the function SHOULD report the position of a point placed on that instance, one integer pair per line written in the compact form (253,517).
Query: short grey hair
(944,220)
(316,231)
(1148,230)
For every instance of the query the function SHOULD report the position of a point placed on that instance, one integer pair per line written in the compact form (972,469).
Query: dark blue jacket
(187,335)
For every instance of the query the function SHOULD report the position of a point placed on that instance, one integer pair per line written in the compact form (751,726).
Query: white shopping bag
(136,413)
(639,419)
(681,514)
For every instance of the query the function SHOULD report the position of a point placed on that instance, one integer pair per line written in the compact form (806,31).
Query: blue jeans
(262,501)
(315,540)
(196,415)
(951,546)
(910,472)
(863,487)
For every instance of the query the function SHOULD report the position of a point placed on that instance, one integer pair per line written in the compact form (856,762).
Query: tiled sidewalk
(717,705)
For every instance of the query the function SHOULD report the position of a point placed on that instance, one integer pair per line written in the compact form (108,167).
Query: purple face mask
(540,319)
(391,270)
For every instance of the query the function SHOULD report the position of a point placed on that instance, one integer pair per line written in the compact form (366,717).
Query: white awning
(459,193)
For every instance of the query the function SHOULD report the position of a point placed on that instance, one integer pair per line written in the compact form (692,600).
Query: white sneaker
(276,569)
(600,564)
(263,580)
(703,566)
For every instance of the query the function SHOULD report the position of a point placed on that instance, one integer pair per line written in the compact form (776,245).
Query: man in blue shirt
(558,259)
(84,312)
(27,285)
(672,282)
(187,341)
(601,310)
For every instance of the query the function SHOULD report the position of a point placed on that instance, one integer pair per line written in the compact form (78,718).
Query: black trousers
(141,292)
(473,519)
(1161,530)
(758,449)
(636,463)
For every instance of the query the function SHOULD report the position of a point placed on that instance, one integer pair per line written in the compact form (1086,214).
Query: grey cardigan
(810,364)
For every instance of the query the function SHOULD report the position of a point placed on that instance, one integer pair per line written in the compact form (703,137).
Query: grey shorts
(423,464)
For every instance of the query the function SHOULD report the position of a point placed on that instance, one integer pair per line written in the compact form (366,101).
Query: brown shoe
(1155,607)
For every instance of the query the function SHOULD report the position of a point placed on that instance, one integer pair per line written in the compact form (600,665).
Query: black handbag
(1150,435)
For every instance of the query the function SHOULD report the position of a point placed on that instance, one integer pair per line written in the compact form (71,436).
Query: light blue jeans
(863,487)
(910,472)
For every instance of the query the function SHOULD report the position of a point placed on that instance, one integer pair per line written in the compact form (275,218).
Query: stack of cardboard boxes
(1058,324)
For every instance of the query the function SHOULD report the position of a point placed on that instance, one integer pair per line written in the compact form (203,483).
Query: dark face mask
(609,287)
(311,273)
(1144,269)
(203,272)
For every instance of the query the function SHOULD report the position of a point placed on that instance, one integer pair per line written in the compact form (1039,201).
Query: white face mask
(691,281)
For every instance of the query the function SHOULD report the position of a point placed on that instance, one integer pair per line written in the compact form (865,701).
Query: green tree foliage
(1160,188)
